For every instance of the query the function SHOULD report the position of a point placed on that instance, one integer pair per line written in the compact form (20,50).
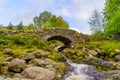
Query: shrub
(55,56)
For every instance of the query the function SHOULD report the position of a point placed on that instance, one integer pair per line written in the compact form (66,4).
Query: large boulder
(35,54)
(17,65)
(39,73)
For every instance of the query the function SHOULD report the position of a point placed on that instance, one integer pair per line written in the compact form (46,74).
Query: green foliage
(42,18)
(112,16)
(28,40)
(1,62)
(113,27)
(10,26)
(21,42)
(58,22)
(55,56)
(47,24)
(98,36)
(2,29)
(106,47)
(111,7)
(20,26)
(48,20)
(31,27)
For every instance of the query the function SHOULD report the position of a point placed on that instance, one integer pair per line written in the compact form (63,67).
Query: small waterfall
(80,71)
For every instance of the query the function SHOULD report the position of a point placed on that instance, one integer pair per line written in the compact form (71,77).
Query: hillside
(22,50)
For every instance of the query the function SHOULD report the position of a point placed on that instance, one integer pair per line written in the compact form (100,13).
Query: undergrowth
(21,43)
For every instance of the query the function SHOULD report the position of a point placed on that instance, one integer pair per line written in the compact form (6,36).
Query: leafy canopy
(48,20)
(113,27)
(111,7)
(112,16)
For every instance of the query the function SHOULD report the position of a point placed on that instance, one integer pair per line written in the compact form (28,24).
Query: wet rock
(39,73)
(80,77)
(8,51)
(17,65)
(99,62)
(114,74)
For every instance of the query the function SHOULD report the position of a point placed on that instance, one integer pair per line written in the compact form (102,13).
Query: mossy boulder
(40,53)
(17,65)
(39,73)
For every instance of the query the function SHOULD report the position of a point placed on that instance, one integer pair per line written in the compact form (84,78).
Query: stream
(79,71)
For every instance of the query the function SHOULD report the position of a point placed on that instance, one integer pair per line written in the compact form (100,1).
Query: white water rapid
(79,71)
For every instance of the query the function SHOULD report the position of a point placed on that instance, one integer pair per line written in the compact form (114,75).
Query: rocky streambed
(38,65)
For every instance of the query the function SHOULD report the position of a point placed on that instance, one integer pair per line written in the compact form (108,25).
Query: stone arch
(63,39)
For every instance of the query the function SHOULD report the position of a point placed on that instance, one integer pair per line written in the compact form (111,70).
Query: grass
(107,47)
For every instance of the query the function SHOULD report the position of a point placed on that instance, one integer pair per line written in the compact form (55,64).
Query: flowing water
(80,71)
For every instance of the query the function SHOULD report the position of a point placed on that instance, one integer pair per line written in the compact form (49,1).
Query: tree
(58,22)
(111,7)
(96,22)
(10,26)
(112,16)
(48,20)
(113,28)
(47,24)
(61,23)
(20,26)
(42,18)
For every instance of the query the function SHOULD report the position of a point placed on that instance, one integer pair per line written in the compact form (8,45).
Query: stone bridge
(65,35)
